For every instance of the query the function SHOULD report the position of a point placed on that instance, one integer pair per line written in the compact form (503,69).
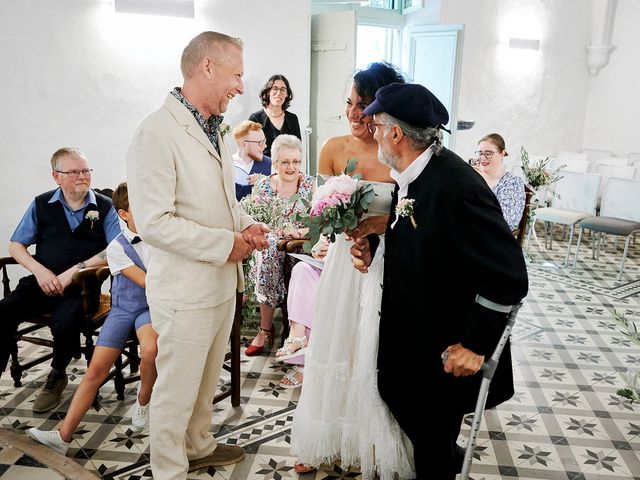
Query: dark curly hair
(264,93)
(376,75)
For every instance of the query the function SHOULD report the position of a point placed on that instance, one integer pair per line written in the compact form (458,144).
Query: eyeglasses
(259,142)
(371,126)
(287,163)
(76,173)
(279,89)
(487,153)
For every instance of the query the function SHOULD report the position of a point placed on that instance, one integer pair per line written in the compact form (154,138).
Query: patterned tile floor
(565,421)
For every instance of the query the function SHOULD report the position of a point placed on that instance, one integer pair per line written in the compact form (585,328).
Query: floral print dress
(510,193)
(268,274)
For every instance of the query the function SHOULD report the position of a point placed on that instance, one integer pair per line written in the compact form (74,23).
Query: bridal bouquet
(337,205)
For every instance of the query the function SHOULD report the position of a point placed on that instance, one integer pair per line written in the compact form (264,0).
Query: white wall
(75,73)
(533,98)
(613,106)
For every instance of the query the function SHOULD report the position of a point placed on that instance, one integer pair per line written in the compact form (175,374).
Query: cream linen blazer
(182,196)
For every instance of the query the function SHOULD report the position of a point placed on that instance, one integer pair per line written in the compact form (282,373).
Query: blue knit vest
(57,247)
(125,293)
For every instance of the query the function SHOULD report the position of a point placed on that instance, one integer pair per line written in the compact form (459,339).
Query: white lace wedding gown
(340,415)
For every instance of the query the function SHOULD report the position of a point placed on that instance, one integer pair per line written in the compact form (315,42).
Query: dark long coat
(461,247)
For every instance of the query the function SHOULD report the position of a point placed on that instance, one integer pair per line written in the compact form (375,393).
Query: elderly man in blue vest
(70,227)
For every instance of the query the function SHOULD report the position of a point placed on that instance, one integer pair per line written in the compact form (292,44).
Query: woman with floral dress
(276,190)
(508,188)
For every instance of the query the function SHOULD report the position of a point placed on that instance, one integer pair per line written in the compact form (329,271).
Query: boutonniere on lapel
(404,208)
(92,216)
(224,128)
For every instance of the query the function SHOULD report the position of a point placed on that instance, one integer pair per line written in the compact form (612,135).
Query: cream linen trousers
(191,349)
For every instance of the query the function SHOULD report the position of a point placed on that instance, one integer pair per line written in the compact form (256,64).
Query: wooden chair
(288,246)
(521,230)
(89,280)
(232,359)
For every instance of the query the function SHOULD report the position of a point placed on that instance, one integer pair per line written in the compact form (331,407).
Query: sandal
(302,468)
(254,350)
(292,347)
(290,376)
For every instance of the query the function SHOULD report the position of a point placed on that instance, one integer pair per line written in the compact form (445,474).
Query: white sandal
(291,376)
(288,352)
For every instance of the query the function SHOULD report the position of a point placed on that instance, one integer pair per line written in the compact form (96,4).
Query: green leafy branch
(630,330)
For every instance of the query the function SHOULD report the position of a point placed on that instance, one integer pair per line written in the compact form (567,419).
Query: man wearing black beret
(446,243)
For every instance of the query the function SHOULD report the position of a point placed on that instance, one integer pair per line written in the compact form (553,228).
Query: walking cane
(488,369)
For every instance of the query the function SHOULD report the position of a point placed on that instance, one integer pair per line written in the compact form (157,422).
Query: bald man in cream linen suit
(181,188)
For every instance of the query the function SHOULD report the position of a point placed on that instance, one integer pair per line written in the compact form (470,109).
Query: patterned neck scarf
(209,126)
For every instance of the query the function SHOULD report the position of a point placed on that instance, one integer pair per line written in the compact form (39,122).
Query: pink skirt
(301,299)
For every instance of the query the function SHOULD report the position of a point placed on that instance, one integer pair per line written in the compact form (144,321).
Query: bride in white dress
(340,415)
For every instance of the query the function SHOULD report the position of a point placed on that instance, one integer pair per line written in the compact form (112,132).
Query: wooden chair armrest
(4,261)
(99,273)
(89,279)
(291,245)
(7,261)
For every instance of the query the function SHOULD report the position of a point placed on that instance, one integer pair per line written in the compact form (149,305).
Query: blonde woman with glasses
(269,270)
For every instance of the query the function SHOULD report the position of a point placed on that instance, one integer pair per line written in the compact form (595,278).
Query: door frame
(457,31)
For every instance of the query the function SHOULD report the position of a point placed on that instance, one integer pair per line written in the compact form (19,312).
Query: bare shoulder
(331,160)
(335,145)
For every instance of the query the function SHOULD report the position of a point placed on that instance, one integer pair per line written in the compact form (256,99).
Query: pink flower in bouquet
(336,191)
(337,206)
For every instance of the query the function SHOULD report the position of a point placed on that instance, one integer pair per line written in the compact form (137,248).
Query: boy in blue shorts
(127,256)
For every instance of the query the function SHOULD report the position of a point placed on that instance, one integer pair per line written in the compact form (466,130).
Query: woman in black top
(276,95)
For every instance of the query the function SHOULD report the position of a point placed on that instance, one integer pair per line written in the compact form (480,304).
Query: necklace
(273,115)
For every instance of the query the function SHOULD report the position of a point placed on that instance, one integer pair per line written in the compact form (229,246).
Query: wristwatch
(81,265)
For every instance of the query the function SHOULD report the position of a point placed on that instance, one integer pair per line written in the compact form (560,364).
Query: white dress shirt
(118,260)
(413,171)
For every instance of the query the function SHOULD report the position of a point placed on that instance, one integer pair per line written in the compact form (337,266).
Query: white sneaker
(140,417)
(50,438)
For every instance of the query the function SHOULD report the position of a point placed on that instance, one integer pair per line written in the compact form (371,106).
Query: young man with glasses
(249,162)
(70,227)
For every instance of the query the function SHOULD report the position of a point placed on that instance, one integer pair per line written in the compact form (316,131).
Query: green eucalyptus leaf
(351,166)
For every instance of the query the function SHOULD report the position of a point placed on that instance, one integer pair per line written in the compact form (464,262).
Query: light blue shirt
(27,230)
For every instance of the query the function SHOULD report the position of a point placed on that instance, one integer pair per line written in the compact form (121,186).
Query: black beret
(411,103)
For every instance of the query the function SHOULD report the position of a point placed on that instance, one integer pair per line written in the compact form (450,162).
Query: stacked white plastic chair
(607,171)
(569,164)
(575,199)
(619,215)
(594,153)
(565,155)
(616,161)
